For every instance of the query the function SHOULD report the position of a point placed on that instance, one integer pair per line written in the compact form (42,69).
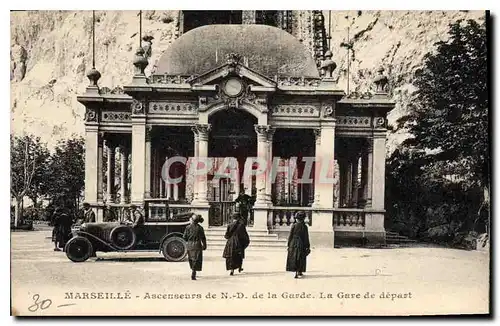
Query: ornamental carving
(378,122)
(233,59)
(201,130)
(381,81)
(353,121)
(172,108)
(262,131)
(91,115)
(295,110)
(107,90)
(111,116)
(360,95)
(172,79)
(298,81)
(137,107)
(328,111)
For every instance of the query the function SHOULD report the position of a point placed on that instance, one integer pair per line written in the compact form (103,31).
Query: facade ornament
(140,61)
(328,65)
(137,107)
(91,115)
(359,95)
(328,111)
(93,75)
(379,122)
(233,59)
(201,130)
(381,81)
(262,131)
(146,45)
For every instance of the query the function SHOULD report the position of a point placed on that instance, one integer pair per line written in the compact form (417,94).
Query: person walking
(298,246)
(237,241)
(196,243)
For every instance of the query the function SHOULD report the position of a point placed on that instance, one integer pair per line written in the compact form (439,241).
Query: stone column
(261,206)
(147,157)
(262,154)
(123,174)
(110,182)
(100,168)
(317,164)
(269,181)
(91,163)
(138,159)
(378,170)
(322,221)
(196,154)
(354,181)
(327,164)
(201,181)
(369,174)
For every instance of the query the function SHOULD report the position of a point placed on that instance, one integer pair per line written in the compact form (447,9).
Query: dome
(265,49)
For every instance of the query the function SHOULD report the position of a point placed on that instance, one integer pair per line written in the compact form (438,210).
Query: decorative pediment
(234,67)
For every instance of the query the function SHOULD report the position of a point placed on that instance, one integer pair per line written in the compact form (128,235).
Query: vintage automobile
(162,235)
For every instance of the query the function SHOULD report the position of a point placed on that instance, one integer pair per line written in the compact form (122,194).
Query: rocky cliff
(51,53)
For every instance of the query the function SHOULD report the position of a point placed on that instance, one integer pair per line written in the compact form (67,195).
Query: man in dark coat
(135,218)
(244,204)
(196,243)
(63,228)
(55,230)
(298,246)
(88,215)
(237,241)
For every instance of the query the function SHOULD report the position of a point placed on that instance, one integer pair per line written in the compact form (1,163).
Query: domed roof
(265,49)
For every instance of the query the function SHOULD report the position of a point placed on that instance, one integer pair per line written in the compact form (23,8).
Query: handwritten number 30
(44,304)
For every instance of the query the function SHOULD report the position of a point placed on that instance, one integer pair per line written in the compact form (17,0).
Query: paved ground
(338,282)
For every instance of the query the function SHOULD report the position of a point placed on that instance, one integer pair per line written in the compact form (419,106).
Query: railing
(220,212)
(165,210)
(348,218)
(284,217)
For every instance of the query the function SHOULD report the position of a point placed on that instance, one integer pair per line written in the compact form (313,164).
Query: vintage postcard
(249,163)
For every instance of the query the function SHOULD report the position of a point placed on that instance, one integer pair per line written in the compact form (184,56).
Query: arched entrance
(232,135)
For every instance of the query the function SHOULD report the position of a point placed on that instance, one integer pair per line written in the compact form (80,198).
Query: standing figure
(237,242)
(244,204)
(64,229)
(135,218)
(88,215)
(55,230)
(196,243)
(298,246)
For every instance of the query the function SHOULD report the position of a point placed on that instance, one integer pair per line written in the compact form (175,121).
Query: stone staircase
(393,238)
(259,239)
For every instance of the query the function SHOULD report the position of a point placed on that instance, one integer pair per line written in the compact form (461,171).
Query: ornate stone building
(241,84)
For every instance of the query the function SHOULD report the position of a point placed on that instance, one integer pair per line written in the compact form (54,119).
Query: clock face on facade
(233,87)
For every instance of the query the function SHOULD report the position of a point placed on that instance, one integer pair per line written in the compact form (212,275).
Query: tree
(28,159)
(67,173)
(448,119)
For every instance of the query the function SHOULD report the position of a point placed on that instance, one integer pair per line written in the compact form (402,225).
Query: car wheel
(123,237)
(78,249)
(174,249)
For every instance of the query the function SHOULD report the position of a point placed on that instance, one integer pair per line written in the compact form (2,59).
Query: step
(251,246)
(400,241)
(251,241)
(223,231)
(252,237)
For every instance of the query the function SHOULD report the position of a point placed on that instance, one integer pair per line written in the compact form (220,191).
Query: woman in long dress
(298,246)
(237,241)
(196,243)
